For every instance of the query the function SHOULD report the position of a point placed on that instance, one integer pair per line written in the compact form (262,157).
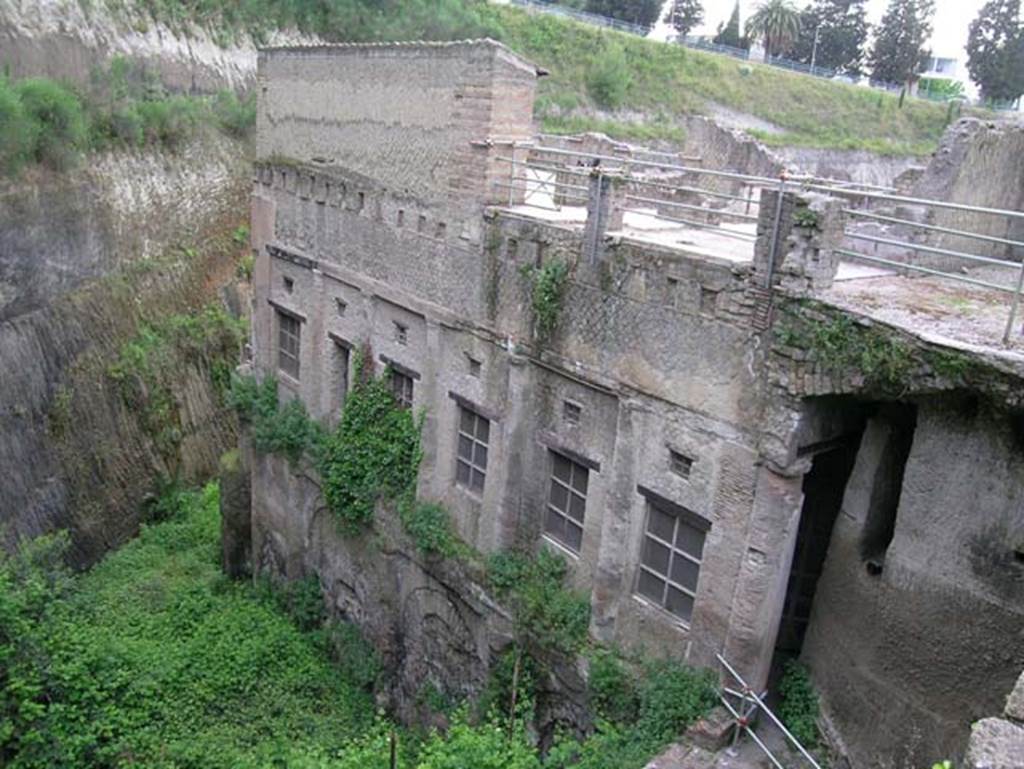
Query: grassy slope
(666,80)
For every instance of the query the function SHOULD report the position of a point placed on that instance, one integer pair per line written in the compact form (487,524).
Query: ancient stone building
(716,481)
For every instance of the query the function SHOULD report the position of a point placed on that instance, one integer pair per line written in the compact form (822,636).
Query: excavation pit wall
(895,631)
(90,257)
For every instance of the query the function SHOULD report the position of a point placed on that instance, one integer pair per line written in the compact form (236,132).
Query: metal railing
(916,238)
(726,203)
(748,704)
(655,197)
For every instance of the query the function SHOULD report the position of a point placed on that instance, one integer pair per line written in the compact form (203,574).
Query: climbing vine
(372,455)
(548,284)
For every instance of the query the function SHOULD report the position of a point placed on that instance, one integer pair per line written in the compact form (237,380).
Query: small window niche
(401,333)
(340,307)
(421,224)
(474,366)
(401,218)
(288,283)
(441,231)
(680,464)
(572,413)
(360,201)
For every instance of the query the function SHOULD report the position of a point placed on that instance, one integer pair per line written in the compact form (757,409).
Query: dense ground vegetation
(153,658)
(50,123)
(600,79)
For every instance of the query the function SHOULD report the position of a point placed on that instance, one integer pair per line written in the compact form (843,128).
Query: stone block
(714,731)
(1015,702)
(995,744)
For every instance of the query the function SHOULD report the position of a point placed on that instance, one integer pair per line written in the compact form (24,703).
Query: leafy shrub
(496,698)
(288,431)
(609,78)
(612,688)
(547,289)
(487,746)
(373,454)
(545,611)
(17,132)
(354,656)
(799,706)
(673,696)
(429,526)
(237,117)
(61,130)
(169,121)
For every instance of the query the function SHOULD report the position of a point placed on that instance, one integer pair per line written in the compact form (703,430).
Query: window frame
(473,467)
(284,319)
(681,517)
(571,491)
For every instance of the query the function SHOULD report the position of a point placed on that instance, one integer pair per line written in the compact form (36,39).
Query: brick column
(606,202)
(800,254)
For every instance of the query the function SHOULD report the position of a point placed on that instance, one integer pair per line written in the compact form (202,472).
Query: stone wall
(419,119)
(981,164)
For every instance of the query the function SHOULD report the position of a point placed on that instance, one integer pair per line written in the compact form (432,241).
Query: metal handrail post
(512,180)
(773,253)
(1014,307)
(768,712)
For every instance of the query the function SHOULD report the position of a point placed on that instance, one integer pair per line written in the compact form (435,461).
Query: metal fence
(583,16)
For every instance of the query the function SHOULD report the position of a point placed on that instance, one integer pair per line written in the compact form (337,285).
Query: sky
(952,17)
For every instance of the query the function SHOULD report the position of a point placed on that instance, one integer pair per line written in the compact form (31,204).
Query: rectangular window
(340,375)
(670,560)
(471,453)
(288,329)
(567,501)
(401,388)
(401,333)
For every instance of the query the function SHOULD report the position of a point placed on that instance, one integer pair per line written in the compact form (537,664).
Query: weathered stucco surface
(659,352)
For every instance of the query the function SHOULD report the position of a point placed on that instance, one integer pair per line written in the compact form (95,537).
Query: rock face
(431,620)
(998,743)
(235,514)
(89,256)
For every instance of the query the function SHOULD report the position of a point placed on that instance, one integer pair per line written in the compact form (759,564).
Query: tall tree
(729,33)
(993,50)
(685,15)
(642,12)
(899,50)
(777,22)
(841,28)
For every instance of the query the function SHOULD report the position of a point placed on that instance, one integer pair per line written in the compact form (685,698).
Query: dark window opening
(401,217)
(288,341)
(679,463)
(571,412)
(341,358)
(289,284)
(341,307)
(401,333)
(471,452)
(567,502)
(401,388)
(474,366)
(670,561)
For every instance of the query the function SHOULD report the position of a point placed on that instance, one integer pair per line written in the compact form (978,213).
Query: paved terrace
(961,307)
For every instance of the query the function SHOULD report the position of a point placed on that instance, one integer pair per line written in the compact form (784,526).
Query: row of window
(673,544)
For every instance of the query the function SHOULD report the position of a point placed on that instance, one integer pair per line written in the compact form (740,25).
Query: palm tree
(778,22)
